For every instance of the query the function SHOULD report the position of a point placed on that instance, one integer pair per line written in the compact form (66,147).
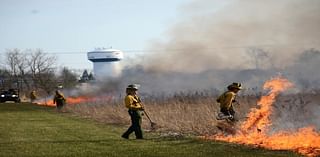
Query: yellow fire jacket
(226,99)
(33,95)
(59,98)
(133,102)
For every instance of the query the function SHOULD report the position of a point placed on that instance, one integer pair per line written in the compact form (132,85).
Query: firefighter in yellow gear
(226,101)
(59,100)
(135,108)
(33,96)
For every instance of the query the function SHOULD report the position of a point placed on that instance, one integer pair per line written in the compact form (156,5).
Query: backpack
(221,97)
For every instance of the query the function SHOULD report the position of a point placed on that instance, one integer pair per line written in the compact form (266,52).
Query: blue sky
(81,25)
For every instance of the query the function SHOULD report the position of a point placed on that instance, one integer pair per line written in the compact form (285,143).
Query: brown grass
(190,113)
(194,113)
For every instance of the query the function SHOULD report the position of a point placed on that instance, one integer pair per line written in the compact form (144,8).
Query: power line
(183,49)
(211,48)
(82,52)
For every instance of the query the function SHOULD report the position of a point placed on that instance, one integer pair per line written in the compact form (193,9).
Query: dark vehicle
(9,95)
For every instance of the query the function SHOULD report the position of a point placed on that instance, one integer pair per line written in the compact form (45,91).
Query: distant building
(106,62)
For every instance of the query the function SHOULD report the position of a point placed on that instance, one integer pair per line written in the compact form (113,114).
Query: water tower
(106,62)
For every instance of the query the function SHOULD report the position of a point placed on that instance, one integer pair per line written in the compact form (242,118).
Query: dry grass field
(194,113)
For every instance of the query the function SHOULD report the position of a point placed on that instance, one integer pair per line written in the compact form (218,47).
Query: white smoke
(212,38)
(215,43)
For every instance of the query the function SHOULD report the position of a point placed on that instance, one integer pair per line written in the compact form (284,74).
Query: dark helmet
(133,86)
(235,85)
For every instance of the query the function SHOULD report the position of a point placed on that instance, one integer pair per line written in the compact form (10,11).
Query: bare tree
(68,78)
(259,56)
(32,67)
(17,66)
(47,81)
(310,55)
(4,76)
(306,69)
(42,70)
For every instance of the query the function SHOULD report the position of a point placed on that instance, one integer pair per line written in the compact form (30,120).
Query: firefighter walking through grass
(33,96)
(133,103)
(59,100)
(226,101)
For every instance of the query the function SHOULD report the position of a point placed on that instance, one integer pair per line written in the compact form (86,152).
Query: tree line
(27,70)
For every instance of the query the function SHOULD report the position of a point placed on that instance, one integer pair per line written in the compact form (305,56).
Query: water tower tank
(106,62)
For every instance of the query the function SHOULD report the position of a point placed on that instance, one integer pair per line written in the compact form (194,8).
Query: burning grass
(183,113)
(30,130)
(255,130)
(279,122)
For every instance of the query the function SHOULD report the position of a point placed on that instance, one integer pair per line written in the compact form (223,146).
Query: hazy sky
(75,26)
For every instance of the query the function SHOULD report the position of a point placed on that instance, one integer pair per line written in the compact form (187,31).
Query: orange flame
(259,118)
(70,100)
(81,99)
(254,130)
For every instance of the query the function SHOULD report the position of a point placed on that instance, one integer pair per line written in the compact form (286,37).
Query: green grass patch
(31,131)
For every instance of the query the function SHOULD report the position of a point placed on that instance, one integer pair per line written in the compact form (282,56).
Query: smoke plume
(215,43)
(220,38)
